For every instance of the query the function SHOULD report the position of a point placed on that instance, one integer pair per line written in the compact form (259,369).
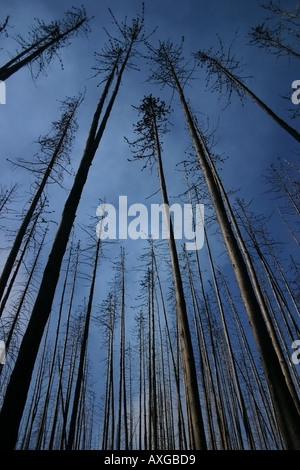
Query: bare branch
(44,41)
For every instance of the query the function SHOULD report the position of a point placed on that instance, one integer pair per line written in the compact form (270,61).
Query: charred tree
(170,69)
(44,41)
(150,127)
(118,55)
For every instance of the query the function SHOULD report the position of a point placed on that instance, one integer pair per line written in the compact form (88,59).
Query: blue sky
(31,107)
(248,139)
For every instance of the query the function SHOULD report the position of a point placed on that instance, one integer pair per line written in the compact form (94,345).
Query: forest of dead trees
(206,357)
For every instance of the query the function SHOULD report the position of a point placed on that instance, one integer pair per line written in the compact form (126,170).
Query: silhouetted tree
(278,30)
(150,127)
(44,41)
(3,26)
(225,69)
(83,352)
(169,68)
(118,54)
(53,156)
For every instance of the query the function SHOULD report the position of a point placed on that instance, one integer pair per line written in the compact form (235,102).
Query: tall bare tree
(108,322)
(169,67)
(53,156)
(117,57)
(83,351)
(3,26)
(225,69)
(151,125)
(44,41)
(279,33)
(122,423)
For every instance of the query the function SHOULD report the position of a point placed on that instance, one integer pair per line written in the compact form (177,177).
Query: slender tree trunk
(75,347)
(14,272)
(109,418)
(267,317)
(45,409)
(286,410)
(240,85)
(209,391)
(83,353)
(150,364)
(197,434)
(237,391)
(37,395)
(171,349)
(62,362)
(15,398)
(141,346)
(36,50)
(122,405)
(23,296)
(30,212)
